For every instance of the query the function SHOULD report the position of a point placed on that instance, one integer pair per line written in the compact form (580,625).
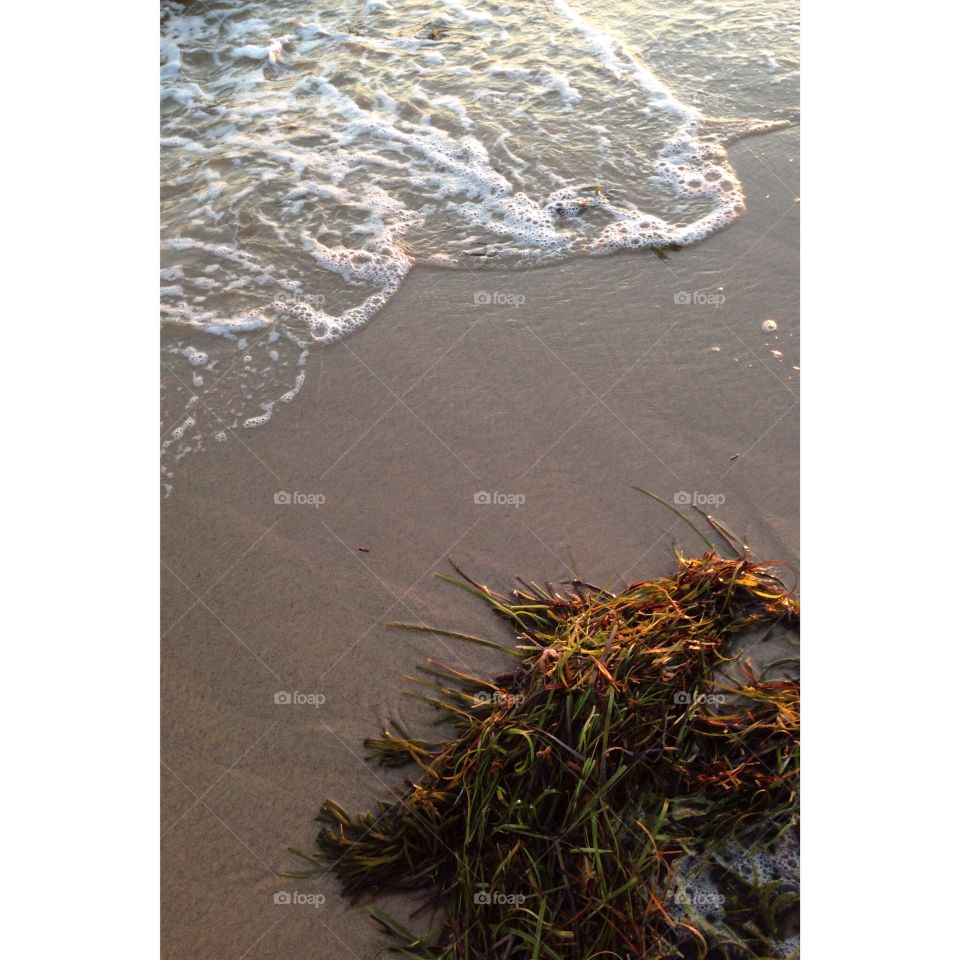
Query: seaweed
(628,741)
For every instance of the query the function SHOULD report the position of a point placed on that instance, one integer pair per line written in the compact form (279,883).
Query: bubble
(196,358)
(183,428)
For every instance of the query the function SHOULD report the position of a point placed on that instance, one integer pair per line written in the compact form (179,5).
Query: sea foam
(310,158)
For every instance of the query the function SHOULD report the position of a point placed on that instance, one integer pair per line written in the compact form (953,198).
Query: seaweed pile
(629,757)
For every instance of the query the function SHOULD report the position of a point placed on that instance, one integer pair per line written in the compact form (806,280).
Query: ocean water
(313,154)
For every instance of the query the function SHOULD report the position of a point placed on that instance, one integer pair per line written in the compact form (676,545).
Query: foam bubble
(178,433)
(258,421)
(701,884)
(290,394)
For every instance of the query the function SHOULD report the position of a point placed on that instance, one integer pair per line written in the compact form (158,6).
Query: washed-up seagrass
(573,792)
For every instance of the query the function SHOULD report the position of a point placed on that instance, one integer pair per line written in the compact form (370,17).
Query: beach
(501,418)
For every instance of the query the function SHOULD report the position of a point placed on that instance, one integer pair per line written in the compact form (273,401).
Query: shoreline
(598,381)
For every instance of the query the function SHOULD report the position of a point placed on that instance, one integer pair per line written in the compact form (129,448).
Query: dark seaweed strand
(550,824)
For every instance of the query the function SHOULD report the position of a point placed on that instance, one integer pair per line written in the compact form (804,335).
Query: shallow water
(311,157)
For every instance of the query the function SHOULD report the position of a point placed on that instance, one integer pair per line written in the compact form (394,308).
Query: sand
(554,407)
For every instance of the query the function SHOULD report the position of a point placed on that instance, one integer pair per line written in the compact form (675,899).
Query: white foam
(272,52)
(455,172)
(258,421)
(290,394)
(312,160)
(699,883)
(179,431)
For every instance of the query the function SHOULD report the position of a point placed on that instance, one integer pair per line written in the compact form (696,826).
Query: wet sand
(598,380)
